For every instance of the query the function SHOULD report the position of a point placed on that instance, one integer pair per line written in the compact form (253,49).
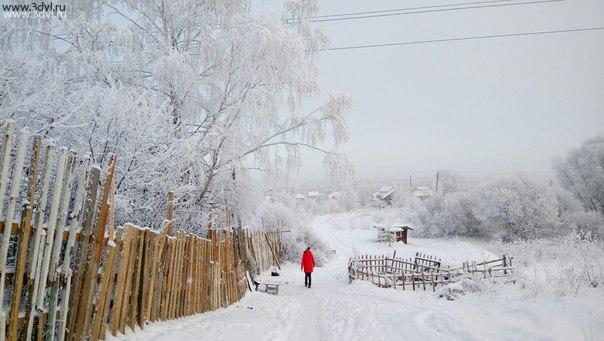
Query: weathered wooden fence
(422,272)
(68,273)
(264,249)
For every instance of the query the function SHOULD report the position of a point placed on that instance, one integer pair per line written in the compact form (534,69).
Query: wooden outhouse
(393,233)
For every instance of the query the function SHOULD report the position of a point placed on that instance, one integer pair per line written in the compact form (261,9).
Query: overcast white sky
(496,105)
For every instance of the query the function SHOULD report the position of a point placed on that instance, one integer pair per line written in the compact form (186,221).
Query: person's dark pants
(307,279)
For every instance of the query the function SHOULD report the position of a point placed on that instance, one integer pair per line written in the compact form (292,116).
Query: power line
(435,10)
(354,47)
(405,9)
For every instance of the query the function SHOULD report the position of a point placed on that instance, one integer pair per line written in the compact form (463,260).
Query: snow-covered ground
(335,310)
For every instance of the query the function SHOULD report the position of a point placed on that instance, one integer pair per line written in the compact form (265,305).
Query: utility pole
(410,184)
(436,182)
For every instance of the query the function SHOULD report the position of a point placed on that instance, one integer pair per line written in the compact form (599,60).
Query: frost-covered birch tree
(191,95)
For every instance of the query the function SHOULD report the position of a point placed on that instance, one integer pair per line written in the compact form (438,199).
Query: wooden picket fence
(69,273)
(421,272)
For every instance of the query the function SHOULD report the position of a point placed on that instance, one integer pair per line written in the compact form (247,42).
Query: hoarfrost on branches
(582,173)
(189,94)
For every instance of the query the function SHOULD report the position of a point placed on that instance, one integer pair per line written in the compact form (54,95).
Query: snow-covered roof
(392,227)
(313,194)
(384,192)
(402,227)
(386,189)
(299,196)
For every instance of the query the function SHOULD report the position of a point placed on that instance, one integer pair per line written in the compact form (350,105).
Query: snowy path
(335,310)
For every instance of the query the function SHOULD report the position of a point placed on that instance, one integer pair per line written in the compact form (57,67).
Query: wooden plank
(10,212)
(89,279)
(159,242)
(187,279)
(106,289)
(118,302)
(41,323)
(24,240)
(275,258)
(182,278)
(136,281)
(104,208)
(177,279)
(71,239)
(129,278)
(18,281)
(53,278)
(146,276)
(32,285)
(174,278)
(167,287)
(96,244)
(52,224)
(196,276)
(7,147)
(77,302)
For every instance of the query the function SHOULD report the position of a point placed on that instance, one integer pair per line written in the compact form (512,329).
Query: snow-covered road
(336,310)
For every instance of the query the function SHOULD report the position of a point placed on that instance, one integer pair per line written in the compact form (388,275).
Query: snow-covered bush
(585,223)
(450,183)
(582,173)
(279,216)
(562,265)
(456,218)
(516,207)
(505,208)
(412,212)
(465,285)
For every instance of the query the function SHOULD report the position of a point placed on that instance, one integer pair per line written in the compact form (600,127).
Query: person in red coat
(307,265)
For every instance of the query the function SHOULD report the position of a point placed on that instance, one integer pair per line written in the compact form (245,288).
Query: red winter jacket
(308,261)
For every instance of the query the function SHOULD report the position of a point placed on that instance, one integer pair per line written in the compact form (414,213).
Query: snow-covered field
(336,310)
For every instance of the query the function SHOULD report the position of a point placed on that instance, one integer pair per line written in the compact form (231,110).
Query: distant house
(299,197)
(422,192)
(385,194)
(334,195)
(313,195)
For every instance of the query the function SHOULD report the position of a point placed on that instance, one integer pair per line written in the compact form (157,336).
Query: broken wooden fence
(69,273)
(422,272)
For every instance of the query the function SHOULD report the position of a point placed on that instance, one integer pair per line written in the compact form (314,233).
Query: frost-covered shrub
(276,216)
(516,207)
(590,223)
(456,218)
(416,215)
(582,173)
(279,216)
(562,265)
(465,285)
(506,208)
(295,242)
